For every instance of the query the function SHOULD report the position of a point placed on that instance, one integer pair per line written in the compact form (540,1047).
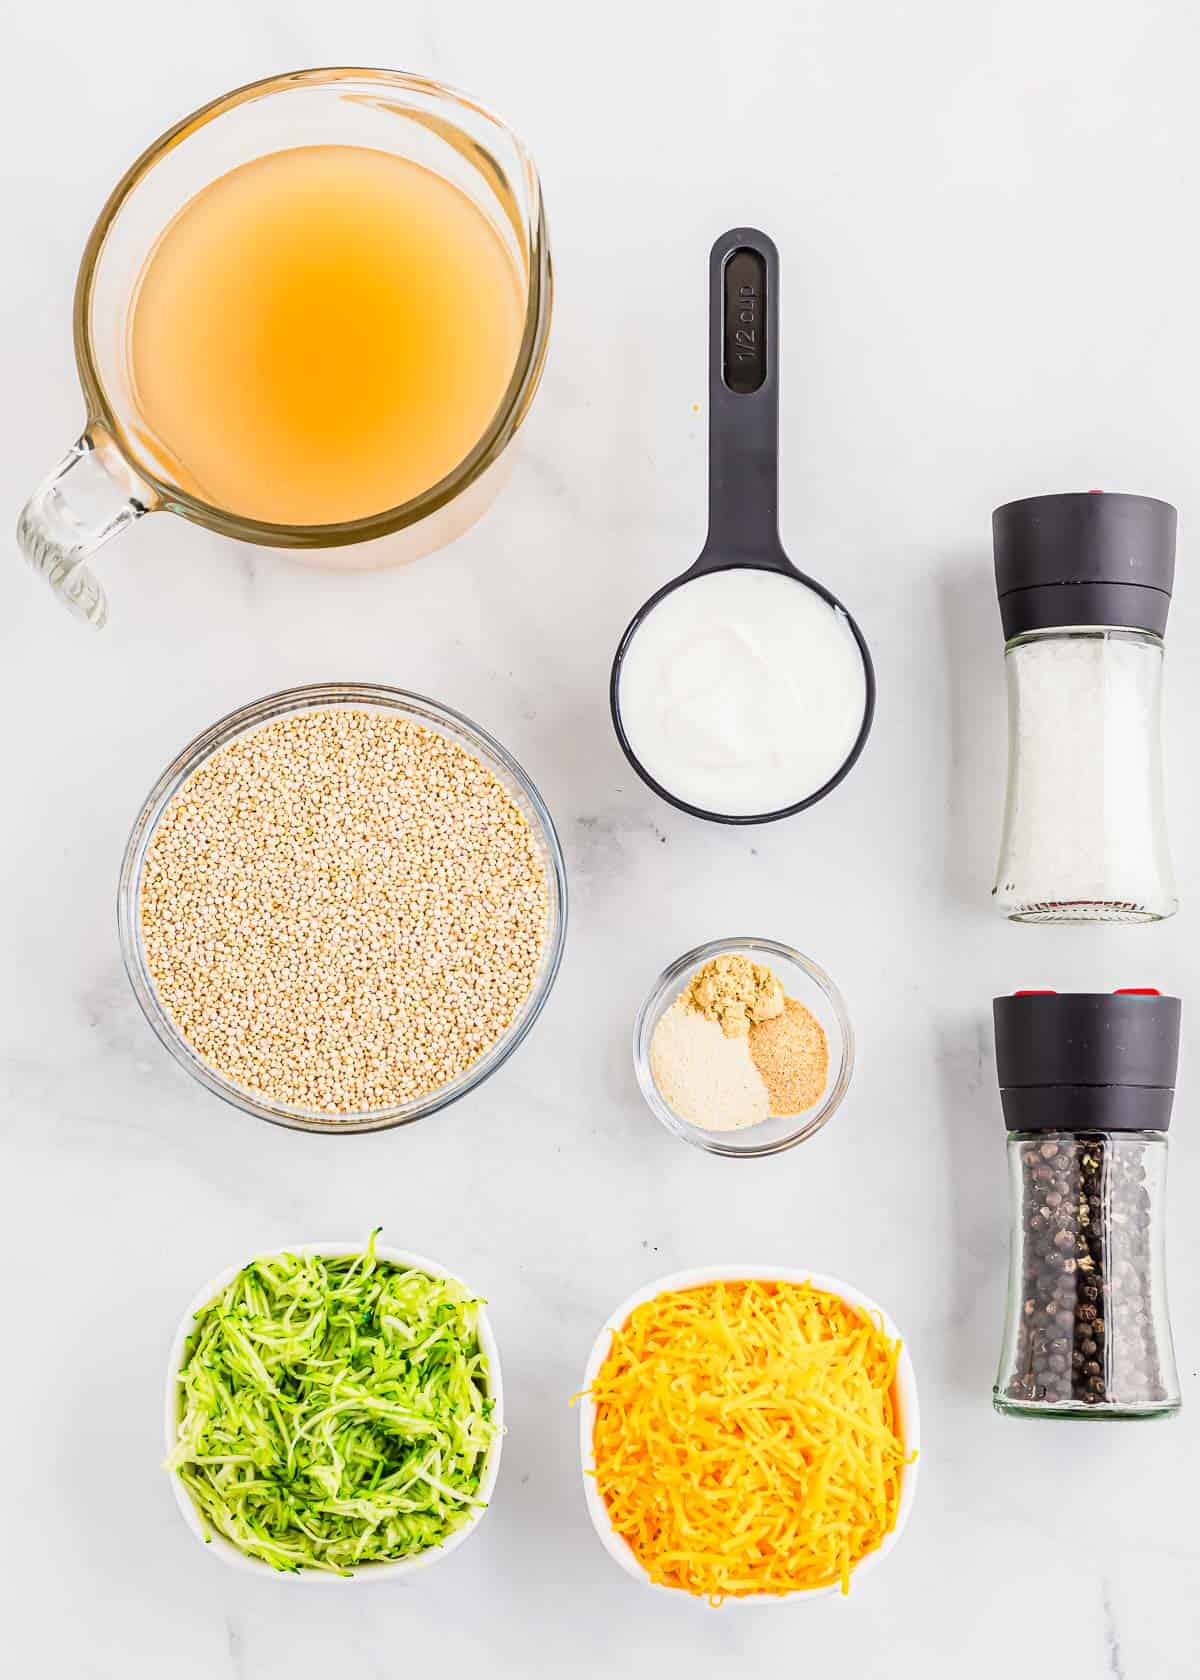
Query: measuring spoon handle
(743,404)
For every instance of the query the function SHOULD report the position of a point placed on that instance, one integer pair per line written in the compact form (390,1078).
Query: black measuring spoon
(743,478)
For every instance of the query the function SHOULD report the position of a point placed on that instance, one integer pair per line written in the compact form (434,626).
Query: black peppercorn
(1085,1333)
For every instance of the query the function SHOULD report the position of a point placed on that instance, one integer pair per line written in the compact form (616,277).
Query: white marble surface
(987,220)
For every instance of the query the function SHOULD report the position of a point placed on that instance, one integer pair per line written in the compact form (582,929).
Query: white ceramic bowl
(224,1549)
(906,1398)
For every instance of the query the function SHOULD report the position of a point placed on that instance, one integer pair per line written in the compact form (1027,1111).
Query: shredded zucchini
(334,1412)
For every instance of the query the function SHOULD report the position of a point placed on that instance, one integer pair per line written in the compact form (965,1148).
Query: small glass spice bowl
(802,979)
(358,696)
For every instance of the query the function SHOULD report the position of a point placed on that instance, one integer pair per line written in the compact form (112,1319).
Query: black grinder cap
(1084,558)
(1087,1061)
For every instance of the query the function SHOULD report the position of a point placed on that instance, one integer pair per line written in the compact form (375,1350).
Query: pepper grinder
(1087,1084)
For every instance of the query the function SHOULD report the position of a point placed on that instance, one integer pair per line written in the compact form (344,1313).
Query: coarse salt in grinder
(1087,1083)
(1084,583)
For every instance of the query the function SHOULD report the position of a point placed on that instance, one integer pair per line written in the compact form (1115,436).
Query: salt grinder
(1084,583)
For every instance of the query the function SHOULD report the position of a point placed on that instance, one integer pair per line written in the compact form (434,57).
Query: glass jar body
(1085,836)
(1087,1332)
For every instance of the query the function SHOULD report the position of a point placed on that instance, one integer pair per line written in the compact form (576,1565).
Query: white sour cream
(742,692)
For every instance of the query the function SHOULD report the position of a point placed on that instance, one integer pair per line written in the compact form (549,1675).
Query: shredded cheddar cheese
(747,1438)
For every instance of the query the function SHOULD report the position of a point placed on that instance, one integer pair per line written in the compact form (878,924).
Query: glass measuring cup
(114,474)
(743,544)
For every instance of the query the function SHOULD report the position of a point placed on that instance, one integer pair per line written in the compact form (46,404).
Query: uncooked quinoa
(342,910)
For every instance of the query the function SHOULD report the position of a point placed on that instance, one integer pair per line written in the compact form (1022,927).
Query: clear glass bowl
(430,715)
(801,979)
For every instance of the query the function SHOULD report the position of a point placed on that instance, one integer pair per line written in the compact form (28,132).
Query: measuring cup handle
(90,496)
(743,402)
